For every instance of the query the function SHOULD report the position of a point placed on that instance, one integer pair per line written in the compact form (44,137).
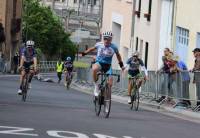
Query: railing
(47,66)
(178,86)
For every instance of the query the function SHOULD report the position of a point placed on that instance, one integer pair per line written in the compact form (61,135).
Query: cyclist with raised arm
(134,63)
(105,52)
(68,68)
(28,60)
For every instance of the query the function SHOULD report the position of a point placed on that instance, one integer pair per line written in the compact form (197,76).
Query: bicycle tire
(136,100)
(107,101)
(97,104)
(24,89)
(132,97)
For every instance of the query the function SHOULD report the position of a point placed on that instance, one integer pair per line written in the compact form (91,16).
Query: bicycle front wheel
(24,89)
(97,104)
(107,101)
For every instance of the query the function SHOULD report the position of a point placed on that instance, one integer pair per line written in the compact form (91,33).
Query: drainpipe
(173,28)
(133,26)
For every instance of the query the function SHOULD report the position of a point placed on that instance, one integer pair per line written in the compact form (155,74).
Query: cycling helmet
(107,34)
(136,54)
(30,43)
(68,59)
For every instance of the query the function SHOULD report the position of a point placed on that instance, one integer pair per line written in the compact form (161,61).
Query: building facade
(10,16)
(186,29)
(118,19)
(153,30)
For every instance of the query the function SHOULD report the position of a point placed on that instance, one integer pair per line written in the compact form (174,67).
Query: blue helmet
(68,59)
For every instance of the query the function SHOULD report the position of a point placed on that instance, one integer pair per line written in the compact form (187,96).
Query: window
(14,8)
(136,44)
(183,36)
(148,15)
(139,9)
(198,40)
(95,2)
(146,54)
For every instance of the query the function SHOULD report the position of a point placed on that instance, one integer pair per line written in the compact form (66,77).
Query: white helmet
(107,34)
(30,43)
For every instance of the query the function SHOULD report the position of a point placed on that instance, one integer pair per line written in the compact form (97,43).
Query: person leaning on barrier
(196,71)
(185,80)
(165,68)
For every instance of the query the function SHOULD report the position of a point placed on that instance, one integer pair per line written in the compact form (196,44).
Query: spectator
(185,80)
(16,62)
(59,69)
(165,70)
(173,78)
(196,70)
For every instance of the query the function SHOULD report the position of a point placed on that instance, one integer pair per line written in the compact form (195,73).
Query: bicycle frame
(104,97)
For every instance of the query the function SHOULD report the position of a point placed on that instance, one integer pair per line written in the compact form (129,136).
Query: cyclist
(68,68)
(28,60)
(105,52)
(134,64)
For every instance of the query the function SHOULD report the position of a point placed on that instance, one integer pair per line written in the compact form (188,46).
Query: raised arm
(88,51)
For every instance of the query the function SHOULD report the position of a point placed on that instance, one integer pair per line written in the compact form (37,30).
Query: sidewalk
(186,114)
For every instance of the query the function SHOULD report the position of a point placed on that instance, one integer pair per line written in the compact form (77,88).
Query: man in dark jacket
(196,71)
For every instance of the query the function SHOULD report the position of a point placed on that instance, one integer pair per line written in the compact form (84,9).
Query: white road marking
(17,131)
(54,133)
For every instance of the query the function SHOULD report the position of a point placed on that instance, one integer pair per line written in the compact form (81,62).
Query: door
(182,42)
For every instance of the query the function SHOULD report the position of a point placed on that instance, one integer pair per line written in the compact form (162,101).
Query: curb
(173,112)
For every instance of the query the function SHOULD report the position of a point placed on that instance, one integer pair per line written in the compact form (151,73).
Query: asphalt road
(52,111)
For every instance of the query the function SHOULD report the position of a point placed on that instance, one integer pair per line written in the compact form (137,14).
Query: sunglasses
(106,38)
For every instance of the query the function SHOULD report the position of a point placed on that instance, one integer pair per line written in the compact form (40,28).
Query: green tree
(45,28)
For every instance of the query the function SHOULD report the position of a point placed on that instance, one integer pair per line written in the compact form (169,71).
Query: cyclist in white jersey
(105,52)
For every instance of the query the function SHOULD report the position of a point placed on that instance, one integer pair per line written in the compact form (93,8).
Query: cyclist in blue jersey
(105,52)
(28,60)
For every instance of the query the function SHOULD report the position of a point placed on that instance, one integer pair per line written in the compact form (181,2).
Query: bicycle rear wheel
(107,101)
(136,100)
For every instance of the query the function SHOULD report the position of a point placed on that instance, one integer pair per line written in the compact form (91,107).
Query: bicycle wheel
(132,100)
(98,103)
(136,100)
(107,101)
(24,89)
(68,82)
(132,96)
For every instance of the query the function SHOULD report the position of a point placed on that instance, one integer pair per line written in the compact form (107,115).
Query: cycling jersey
(105,53)
(134,66)
(28,54)
(68,65)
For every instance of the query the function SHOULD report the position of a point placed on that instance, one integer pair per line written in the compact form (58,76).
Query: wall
(187,16)
(118,18)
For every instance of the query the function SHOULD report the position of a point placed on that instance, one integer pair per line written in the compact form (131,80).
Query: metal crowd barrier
(177,86)
(47,66)
(2,66)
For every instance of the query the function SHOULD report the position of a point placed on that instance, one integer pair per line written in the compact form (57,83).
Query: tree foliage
(45,28)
